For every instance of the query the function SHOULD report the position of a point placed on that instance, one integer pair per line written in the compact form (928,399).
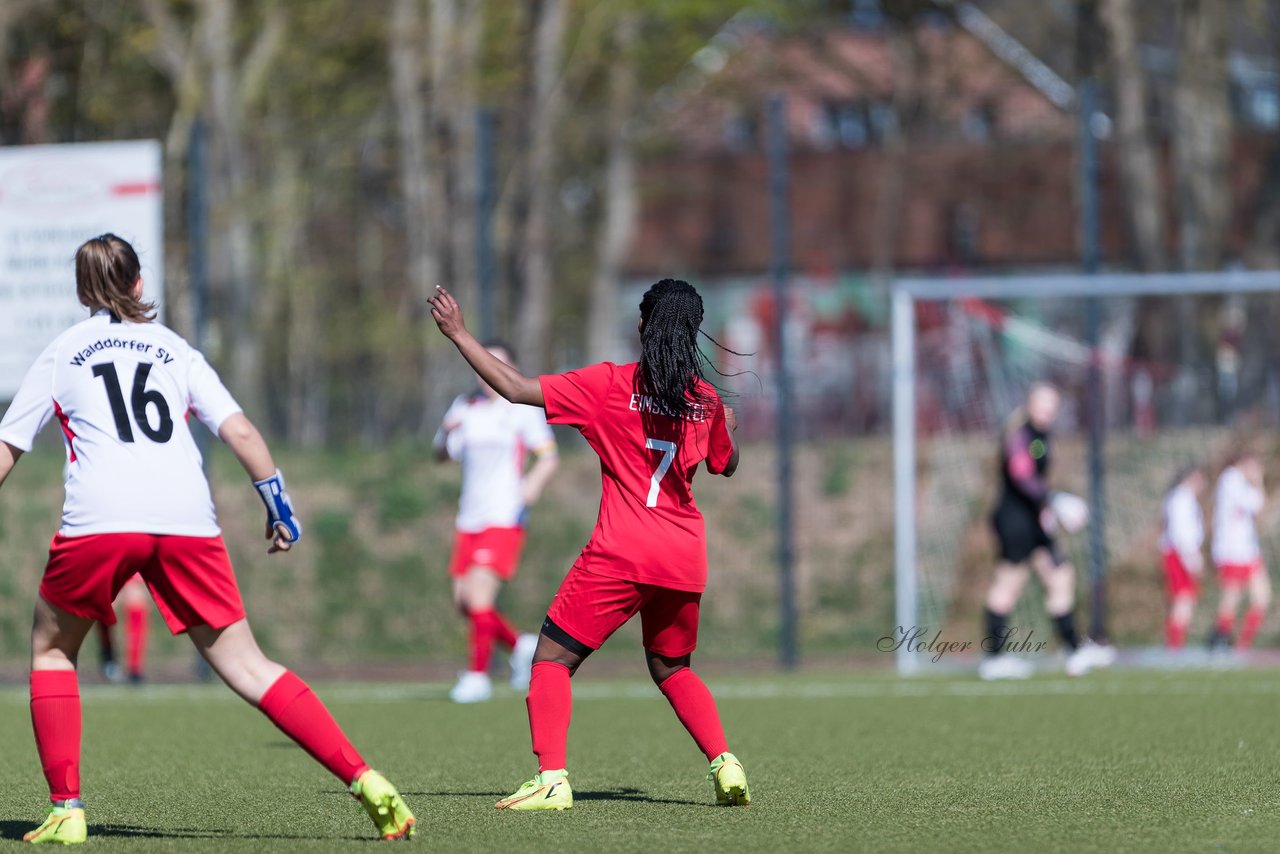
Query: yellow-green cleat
(65,825)
(384,805)
(730,781)
(550,790)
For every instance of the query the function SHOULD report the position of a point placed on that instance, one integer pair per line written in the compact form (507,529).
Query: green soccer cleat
(730,781)
(64,826)
(550,790)
(383,804)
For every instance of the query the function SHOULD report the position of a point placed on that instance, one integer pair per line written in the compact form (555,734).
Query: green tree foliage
(332,311)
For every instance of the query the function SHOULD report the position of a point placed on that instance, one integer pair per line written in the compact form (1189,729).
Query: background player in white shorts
(493,440)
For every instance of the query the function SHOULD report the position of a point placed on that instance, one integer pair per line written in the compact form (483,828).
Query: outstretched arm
(503,378)
(251,450)
(8,459)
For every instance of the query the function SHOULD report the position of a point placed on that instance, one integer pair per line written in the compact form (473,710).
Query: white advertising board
(52,199)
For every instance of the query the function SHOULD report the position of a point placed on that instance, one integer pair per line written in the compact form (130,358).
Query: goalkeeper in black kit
(1026,517)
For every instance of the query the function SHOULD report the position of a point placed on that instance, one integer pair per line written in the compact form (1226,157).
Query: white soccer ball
(1071,511)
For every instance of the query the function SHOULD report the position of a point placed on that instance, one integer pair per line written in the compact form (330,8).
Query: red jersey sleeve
(719,443)
(576,397)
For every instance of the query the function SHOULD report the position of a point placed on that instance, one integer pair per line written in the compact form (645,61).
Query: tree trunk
(232,266)
(892,181)
(174,51)
(536,307)
(620,195)
(462,118)
(1139,164)
(1202,138)
(1263,249)
(405,38)
(442,82)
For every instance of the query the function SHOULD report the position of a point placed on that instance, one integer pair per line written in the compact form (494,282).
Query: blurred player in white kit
(1237,500)
(1180,545)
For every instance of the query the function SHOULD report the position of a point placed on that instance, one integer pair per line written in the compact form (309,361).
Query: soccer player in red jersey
(137,501)
(652,423)
(492,438)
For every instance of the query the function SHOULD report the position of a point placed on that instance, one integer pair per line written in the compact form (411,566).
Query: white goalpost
(997,335)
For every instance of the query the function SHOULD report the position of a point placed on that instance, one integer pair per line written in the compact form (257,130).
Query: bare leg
(1059,581)
(1229,597)
(479,589)
(1180,612)
(234,655)
(1006,588)
(1259,601)
(56,637)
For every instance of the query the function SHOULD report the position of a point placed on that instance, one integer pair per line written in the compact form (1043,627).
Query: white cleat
(522,661)
(1090,656)
(472,687)
(1004,667)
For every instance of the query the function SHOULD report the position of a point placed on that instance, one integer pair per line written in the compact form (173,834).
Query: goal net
(1182,371)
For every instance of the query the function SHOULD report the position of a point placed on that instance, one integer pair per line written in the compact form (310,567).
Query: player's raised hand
(446,313)
(731,419)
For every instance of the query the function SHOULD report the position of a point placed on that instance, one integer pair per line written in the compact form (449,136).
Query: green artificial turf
(1115,762)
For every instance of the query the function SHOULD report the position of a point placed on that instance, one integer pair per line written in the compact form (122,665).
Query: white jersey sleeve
(449,438)
(210,401)
(33,405)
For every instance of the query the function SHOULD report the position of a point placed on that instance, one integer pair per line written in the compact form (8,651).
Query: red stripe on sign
(136,188)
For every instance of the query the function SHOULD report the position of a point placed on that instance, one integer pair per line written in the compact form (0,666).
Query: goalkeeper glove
(275,496)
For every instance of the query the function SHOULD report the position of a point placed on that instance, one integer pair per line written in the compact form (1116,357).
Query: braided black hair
(671,363)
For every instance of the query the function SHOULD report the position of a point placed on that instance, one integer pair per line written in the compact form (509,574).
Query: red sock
(696,709)
(550,703)
(1252,620)
(1175,635)
(502,631)
(1226,624)
(135,637)
(55,717)
(298,712)
(482,631)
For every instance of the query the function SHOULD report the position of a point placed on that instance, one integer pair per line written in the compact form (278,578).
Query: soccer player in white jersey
(1180,545)
(1237,500)
(122,386)
(493,439)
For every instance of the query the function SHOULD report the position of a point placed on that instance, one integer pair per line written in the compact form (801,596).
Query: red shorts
(591,607)
(1176,576)
(1238,573)
(190,578)
(496,548)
